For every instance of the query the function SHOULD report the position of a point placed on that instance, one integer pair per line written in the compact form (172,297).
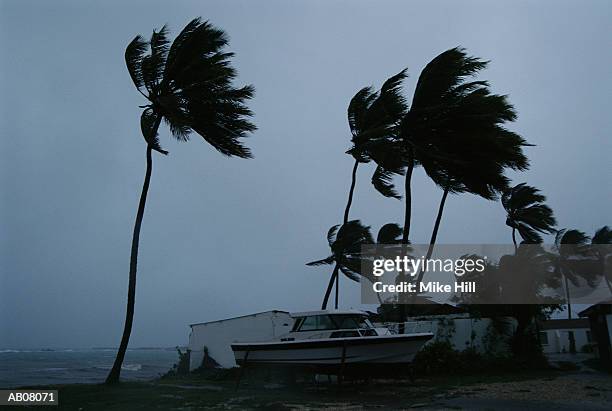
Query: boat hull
(388,349)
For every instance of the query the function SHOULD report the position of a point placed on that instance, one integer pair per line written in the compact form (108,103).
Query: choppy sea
(65,366)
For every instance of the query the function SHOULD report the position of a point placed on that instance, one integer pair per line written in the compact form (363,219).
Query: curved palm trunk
(434,233)
(406,232)
(330,285)
(514,240)
(113,376)
(408,196)
(335,277)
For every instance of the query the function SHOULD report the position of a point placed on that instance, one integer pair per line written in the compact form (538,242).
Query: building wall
(462,332)
(609,321)
(218,336)
(558,340)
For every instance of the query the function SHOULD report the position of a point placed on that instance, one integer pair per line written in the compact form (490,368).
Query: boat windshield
(332,322)
(344,322)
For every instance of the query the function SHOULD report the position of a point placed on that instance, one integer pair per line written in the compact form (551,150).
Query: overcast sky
(224,237)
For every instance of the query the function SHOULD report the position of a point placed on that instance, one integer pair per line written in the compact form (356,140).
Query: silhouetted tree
(373,118)
(603,236)
(345,242)
(455,129)
(571,246)
(527,213)
(188,84)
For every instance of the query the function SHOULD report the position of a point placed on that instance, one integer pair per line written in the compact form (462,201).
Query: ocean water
(65,366)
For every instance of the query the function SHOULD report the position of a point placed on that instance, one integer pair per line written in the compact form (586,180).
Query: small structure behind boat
(217,336)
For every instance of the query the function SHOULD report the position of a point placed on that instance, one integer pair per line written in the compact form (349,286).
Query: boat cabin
(331,324)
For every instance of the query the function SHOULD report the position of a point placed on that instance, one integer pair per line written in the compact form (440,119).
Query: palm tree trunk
(567,296)
(347,209)
(408,196)
(330,286)
(407,221)
(434,234)
(337,288)
(572,340)
(351,192)
(113,376)
(514,240)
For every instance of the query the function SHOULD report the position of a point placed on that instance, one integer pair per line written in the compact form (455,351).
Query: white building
(555,335)
(600,321)
(217,336)
(463,332)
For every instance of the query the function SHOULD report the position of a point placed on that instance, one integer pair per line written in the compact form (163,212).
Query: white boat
(331,339)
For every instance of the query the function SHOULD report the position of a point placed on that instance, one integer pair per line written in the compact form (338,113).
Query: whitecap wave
(131,367)
(124,367)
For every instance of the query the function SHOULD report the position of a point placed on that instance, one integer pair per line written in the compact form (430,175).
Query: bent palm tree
(345,243)
(189,85)
(455,129)
(373,118)
(527,213)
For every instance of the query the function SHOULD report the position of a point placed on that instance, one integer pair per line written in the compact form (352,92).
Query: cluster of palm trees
(454,128)
(528,215)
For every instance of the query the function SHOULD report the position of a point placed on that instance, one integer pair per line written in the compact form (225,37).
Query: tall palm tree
(455,129)
(345,242)
(373,118)
(188,84)
(527,213)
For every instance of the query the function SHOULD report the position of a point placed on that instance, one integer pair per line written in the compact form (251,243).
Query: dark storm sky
(225,237)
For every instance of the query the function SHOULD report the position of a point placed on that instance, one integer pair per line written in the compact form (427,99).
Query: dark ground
(544,390)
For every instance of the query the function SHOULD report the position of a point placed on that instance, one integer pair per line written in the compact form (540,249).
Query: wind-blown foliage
(456,128)
(188,84)
(455,131)
(527,213)
(373,118)
(345,243)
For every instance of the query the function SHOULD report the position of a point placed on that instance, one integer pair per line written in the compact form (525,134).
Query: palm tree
(188,84)
(373,118)
(455,130)
(345,242)
(527,213)
(603,236)
(570,247)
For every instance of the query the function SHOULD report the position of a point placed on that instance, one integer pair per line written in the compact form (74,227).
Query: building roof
(563,324)
(604,307)
(240,316)
(331,312)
